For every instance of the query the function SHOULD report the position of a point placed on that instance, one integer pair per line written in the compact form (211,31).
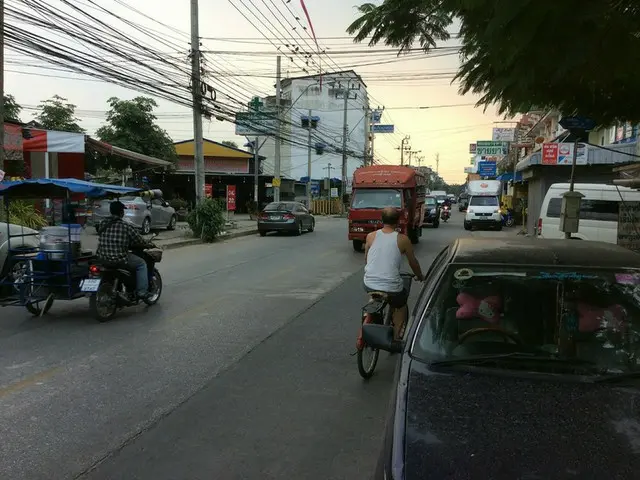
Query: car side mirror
(381,337)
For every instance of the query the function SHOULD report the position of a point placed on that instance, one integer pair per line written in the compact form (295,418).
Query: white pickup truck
(20,237)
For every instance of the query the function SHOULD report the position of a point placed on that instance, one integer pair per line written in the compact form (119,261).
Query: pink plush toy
(592,318)
(488,309)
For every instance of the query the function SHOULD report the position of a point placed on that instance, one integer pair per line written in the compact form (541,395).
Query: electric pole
(345,134)
(276,176)
(309,126)
(437,163)
(412,153)
(403,146)
(328,169)
(2,156)
(256,173)
(198,157)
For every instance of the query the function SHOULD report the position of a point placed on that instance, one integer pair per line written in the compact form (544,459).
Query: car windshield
(483,202)
(376,198)
(544,316)
(430,201)
(441,198)
(276,206)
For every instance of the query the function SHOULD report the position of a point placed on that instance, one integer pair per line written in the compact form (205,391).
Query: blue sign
(376,116)
(487,169)
(315,189)
(382,128)
(577,123)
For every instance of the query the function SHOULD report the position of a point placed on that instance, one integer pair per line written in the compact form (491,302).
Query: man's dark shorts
(395,299)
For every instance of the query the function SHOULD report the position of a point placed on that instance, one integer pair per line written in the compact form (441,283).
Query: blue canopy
(59,187)
(507,177)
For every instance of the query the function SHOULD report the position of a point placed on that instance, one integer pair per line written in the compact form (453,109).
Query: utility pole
(403,147)
(2,155)
(198,157)
(345,134)
(309,159)
(256,173)
(438,163)
(328,169)
(276,176)
(412,153)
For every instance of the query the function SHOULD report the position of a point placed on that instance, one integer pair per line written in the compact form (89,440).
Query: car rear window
(280,207)
(430,201)
(484,201)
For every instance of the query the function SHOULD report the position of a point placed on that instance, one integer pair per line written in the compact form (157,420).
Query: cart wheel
(103,304)
(38,309)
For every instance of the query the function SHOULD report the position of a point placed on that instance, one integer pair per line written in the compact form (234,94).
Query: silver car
(147,216)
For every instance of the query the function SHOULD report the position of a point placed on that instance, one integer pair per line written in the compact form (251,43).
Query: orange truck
(380,186)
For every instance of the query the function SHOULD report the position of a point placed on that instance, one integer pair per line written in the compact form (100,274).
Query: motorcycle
(113,287)
(446,213)
(507,217)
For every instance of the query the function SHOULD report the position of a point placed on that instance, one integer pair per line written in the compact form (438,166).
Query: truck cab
(380,186)
(483,209)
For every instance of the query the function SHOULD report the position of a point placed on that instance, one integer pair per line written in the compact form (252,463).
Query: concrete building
(322,96)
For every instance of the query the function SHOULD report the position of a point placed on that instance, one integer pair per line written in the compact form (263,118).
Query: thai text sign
(231,198)
(491,148)
(562,154)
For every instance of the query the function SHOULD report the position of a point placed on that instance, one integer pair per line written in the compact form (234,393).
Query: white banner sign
(504,134)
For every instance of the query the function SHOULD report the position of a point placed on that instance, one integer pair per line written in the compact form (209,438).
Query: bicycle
(376,311)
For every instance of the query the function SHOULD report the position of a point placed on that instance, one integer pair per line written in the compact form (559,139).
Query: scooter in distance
(507,217)
(446,213)
(113,287)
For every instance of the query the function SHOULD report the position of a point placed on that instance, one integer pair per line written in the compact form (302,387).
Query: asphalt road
(243,371)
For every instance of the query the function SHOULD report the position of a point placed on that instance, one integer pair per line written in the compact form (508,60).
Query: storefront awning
(507,177)
(104,147)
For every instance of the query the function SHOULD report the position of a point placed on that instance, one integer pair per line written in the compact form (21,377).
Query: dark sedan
(521,361)
(431,212)
(285,217)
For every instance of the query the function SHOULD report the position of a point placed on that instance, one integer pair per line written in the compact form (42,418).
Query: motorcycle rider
(383,253)
(116,239)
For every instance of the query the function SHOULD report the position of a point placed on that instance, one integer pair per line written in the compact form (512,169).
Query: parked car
(285,217)
(147,216)
(521,348)
(431,212)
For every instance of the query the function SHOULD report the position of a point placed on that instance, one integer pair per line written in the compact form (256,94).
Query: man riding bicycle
(383,253)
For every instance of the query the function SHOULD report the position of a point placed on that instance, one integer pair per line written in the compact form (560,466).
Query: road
(243,371)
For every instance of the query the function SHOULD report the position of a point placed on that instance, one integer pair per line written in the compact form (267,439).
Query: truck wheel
(357,245)
(467,226)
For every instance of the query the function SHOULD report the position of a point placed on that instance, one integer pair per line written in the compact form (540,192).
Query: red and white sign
(550,154)
(208,190)
(562,154)
(231,198)
(53,141)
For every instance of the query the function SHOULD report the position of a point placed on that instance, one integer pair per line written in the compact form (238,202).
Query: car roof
(547,252)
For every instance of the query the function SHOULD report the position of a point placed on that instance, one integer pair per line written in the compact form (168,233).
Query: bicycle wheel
(367,357)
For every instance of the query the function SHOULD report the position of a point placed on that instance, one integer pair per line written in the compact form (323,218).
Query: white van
(484,205)
(598,211)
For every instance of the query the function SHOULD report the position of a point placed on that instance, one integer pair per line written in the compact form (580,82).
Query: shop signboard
(231,198)
(562,154)
(504,134)
(487,169)
(491,148)
(256,123)
(208,190)
(472,148)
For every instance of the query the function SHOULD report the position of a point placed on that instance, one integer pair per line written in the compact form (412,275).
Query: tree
(11,108)
(521,54)
(57,114)
(131,124)
(230,143)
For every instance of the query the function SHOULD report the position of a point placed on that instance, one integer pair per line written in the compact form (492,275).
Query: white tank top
(384,260)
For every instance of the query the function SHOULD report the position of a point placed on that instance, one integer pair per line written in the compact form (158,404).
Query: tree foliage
(229,143)
(207,219)
(11,108)
(58,114)
(579,57)
(131,124)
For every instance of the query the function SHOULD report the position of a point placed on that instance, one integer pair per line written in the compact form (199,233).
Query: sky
(398,83)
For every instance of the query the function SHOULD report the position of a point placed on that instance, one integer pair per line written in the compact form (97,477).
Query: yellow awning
(211,149)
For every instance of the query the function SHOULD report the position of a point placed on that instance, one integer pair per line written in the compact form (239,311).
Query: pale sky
(395,83)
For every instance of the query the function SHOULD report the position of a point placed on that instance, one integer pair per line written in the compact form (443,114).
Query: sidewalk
(180,237)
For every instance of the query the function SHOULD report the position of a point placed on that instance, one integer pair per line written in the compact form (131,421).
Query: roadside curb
(196,241)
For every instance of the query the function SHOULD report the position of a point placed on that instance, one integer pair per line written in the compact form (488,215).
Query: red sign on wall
(208,190)
(550,154)
(231,198)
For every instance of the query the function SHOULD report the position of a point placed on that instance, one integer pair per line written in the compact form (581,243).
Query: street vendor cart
(52,267)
